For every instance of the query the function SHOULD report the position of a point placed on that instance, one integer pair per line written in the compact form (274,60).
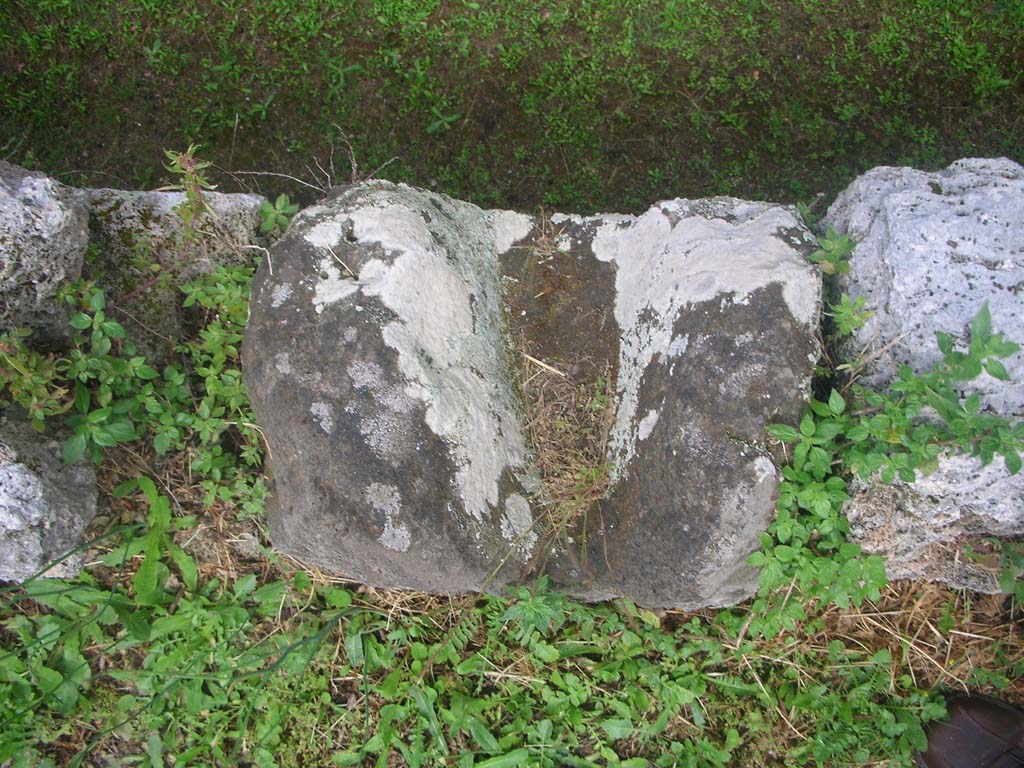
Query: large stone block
(43,235)
(380,364)
(144,254)
(932,248)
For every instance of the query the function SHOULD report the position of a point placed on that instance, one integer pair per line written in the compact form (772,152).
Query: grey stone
(393,426)
(45,505)
(43,236)
(715,311)
(932,248)
(377,361)
(133,230)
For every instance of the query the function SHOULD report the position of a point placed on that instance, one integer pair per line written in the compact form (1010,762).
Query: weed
(442,121)
(277,216)
(192,181)
(29,378)
(832,252)
(849,315)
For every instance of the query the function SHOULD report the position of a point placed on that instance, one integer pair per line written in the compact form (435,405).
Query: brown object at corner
(980,732)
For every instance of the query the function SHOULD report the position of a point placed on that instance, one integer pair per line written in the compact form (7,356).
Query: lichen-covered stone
(716,309)
(43,236)
(376,363)
(932,248)
(376,358)
(45,505)
(143,254)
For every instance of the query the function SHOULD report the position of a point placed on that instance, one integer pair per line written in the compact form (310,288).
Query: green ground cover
(595,104)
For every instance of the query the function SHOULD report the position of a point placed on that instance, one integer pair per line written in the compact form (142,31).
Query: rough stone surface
(932,248)
(377,360)
(45,505)
(715,308)
(397,453)
(127,225)
(43,235)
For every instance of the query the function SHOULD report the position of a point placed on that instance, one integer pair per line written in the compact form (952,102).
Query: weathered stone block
(378,360)
(43,235)
(45,505)
(144,255)
(932,248)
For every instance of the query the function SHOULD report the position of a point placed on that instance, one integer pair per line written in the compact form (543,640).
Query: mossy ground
(587,105)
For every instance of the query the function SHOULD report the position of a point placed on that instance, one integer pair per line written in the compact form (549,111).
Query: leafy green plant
(849,315)
(442,120)
(832,252)
(895,434)
(31,379)
(1011,569)
(191,173)
(277,215)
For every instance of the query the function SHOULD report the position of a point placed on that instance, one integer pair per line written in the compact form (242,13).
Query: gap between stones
(565,363)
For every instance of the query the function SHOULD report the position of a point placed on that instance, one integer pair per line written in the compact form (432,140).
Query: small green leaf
(73,449)
(783,432)
(1013,463)
(147,577)
(996,370)
(186,566)
(836,404)
(346,758)
(981,325)
(807,425)
(81,321)
(121,431)
(483,736)
(857,434)
(245,585)
(336,598)
(513,759)
(162,443)
(945,342)
(617,728)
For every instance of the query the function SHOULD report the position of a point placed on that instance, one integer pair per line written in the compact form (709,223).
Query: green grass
(583,105)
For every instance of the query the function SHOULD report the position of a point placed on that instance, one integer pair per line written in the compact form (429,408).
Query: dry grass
(567,423)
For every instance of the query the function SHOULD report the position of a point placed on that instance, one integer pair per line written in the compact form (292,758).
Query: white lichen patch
(764,469)
(646,425)
(350,335)
(332,285)
(678,345)
(678,255)
(385,427)
(321,413)
(283,363)
(448,348)
(508,228)
(326,235)
(517,525)
(386,500)
(280,295)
